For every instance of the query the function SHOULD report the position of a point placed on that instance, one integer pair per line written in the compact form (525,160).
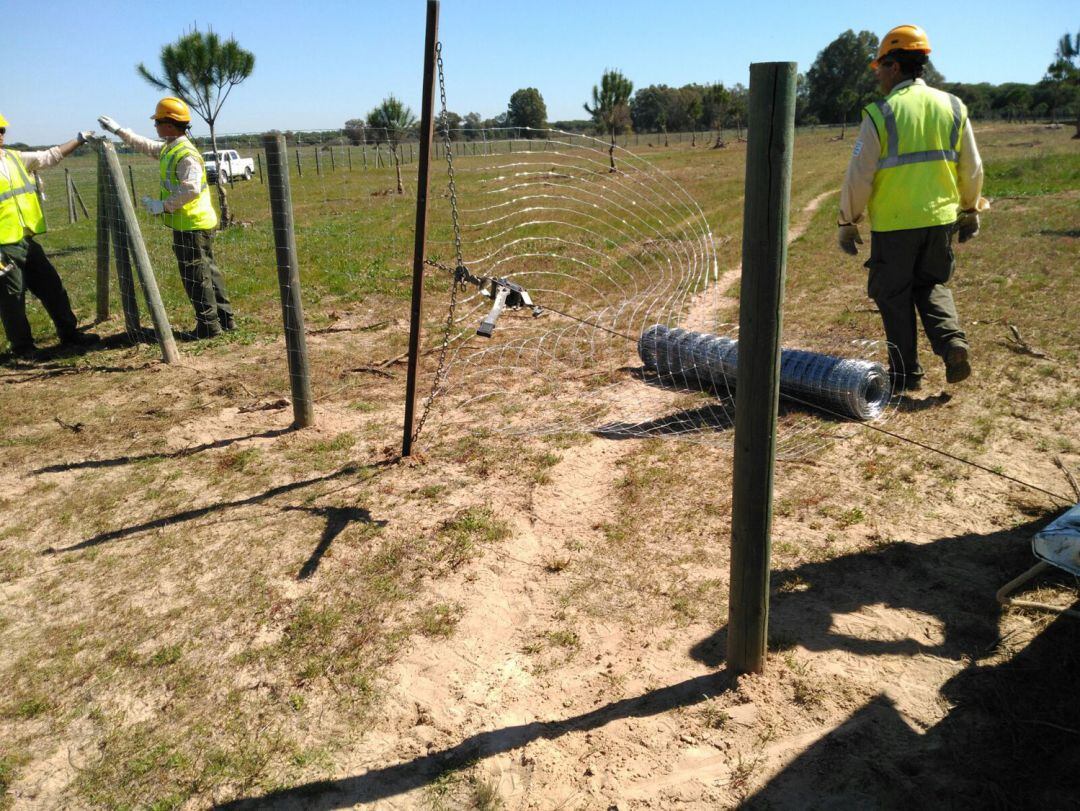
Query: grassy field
(199,605)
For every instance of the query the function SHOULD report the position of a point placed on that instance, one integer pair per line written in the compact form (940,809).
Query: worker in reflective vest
(916,169)
(23,264)
(183,203)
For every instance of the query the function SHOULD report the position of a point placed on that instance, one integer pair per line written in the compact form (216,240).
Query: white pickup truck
(232,166)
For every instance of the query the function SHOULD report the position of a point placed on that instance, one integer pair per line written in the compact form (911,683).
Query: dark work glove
(967,225)
(847,237)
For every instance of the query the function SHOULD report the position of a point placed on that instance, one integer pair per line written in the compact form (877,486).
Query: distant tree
(202,70)
(354,131)
(846,102)
(844,64)
(1063,75)
(717,100)
(740,100)
(931,75)
(691,100)
(390,122)
(610,106)
(473,125)
(527,109)
(448,121)
(648,108)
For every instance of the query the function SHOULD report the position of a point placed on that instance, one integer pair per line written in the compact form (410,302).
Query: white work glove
(84,136)
(847,237)
(967,225)
(109,124)
(153,206)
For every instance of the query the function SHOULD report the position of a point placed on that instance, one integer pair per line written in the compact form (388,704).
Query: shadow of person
(952,580)
(337,519)
(1011,739)
(390,781)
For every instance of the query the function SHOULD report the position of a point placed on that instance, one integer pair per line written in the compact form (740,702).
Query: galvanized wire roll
(849,386)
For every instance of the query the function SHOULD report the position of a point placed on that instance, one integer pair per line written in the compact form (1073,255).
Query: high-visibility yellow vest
(915,185)
(20,209)
(197,214)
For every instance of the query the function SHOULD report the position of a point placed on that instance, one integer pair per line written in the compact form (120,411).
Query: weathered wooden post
(427,124)
(299,171)
(79,200)
(765,226)
(73,216)
(333,166)
(363,149)
(103,206)
(378,156)
(129,301)
(258,160)
(288,266)
(131,179)
(348,154)
(133,237)
(318,165)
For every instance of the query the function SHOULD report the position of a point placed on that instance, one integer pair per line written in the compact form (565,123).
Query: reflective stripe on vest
(20,209)
(915,185)
(197,214)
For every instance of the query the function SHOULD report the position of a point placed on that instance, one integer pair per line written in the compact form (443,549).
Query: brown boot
(957,365)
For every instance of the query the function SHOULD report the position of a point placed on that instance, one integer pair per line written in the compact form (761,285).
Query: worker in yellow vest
(183,203)
(23,264)
(916,169)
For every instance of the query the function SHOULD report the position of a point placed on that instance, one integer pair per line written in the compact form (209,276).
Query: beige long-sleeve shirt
(859,179)
(188,170)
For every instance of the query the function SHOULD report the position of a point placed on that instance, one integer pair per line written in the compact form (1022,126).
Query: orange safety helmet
(903,38)
(172,108)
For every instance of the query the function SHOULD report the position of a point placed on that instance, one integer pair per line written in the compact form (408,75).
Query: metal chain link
(461,274)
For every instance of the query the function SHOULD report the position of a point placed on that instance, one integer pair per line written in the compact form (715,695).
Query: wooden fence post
(318,164)
(288,266)
(765,227)
(73,215)
(131,179)
(258,159)
(102,238)
(299,171)
(133,237)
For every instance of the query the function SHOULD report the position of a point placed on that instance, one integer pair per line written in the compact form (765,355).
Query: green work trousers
(29,269)
(908,273)
(203,282)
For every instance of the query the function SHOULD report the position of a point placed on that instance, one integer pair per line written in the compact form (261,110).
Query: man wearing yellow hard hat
(916,169)
(184,205)
(23,264)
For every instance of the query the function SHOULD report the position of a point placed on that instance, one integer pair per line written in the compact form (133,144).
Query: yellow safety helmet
(3,121)
(173,108)
(903,38)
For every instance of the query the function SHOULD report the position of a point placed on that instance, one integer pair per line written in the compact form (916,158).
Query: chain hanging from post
(461,274)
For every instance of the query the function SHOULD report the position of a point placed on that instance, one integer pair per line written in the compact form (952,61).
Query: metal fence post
(288,266)
(133,235)
(427,124)
(765,226)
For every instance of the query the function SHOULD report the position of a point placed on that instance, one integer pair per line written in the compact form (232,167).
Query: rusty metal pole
(427,120)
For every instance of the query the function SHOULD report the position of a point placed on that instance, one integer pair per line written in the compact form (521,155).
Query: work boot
(80,339)
(24,350)
(201,333)
(902,383)
(957,366)
(227,324)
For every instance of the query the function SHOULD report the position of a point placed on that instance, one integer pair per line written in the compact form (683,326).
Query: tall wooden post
(318,165)
(757,388)
(130,225)
(131,179)
(348,154)
(299,171)
(333,166)
(73,216)
(103,206)
(427,121)
(288,265)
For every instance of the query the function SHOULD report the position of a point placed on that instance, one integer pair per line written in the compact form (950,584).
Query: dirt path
(483,678)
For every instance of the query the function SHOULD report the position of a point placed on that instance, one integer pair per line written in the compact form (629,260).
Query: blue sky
(321,62)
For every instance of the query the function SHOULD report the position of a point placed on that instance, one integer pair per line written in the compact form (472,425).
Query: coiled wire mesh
(852,387)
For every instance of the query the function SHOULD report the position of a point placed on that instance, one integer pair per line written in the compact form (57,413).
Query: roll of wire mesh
(849,386)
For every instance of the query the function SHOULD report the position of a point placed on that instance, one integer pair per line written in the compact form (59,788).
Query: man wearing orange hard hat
(184,205)
(916,170)
(23,264)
